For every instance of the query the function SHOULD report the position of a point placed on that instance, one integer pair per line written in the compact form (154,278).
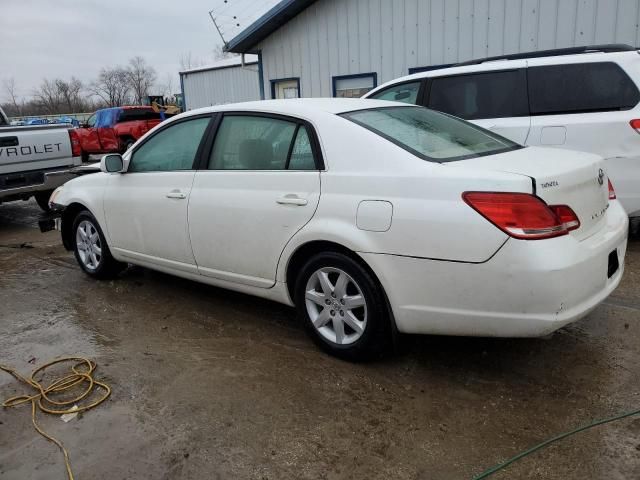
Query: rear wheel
(42,198)
(91,249)
(343,307)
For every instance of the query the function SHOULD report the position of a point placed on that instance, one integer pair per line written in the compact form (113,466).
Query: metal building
(225,81)
(313,48)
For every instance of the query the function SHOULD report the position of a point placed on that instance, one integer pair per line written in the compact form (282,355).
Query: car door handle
(292,199)
(176,194)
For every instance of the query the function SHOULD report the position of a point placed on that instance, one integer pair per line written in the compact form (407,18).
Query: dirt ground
(212,384)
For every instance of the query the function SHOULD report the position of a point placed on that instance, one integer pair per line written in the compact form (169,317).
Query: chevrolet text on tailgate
(34,160)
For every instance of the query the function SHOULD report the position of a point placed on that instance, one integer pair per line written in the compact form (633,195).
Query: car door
(89,139)
(495,99)
(146,207)
(259,185)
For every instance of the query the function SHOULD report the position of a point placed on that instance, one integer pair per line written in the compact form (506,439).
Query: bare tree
(70,95)
(166,87)
(188,61)
(112,86)
(219,53)
(141,78)
(9,86)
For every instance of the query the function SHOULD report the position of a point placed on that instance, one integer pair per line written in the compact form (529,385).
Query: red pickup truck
(113,130)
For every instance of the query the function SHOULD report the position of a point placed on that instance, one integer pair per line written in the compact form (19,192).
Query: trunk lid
(559,177)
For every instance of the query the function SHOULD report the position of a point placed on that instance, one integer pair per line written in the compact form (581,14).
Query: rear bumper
(32,182)
(528,289)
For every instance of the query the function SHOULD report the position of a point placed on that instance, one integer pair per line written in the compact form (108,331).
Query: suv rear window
(430,135)
(481,95)
(580,87)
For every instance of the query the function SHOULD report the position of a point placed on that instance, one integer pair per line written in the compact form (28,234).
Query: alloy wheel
(88,245)
(336,306)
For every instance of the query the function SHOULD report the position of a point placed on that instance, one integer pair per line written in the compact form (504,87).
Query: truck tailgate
(35,148)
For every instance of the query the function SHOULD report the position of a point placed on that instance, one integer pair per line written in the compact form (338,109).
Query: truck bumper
(21,186)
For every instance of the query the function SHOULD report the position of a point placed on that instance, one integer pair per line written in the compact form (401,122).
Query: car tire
(91,250)
(352,322)
(42,199)
(126,144)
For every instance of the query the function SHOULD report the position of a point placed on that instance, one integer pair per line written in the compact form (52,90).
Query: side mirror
(112,163)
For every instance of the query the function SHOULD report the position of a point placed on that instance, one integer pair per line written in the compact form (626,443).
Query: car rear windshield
(431,135)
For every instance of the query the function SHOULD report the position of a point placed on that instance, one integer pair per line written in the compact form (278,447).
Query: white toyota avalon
(370,217)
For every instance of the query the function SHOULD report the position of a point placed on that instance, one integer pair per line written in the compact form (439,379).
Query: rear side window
(430,135)
(580,87)
(245,142)
(404,92)
(481,95)
(133,114)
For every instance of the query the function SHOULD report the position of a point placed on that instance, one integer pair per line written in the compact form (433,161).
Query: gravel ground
(213,384)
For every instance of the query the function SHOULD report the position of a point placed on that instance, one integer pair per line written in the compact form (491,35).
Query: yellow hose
(81,372)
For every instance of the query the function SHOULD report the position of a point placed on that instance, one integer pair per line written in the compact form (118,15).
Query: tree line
(114,86)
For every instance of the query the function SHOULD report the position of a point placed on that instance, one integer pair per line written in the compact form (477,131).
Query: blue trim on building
(355,75)
(267,24)
(184,99)
(261,75)
(289,79)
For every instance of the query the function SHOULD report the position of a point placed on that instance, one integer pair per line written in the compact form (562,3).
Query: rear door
(495,98)
(258,187)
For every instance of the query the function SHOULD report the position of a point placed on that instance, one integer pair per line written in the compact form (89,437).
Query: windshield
(429,134)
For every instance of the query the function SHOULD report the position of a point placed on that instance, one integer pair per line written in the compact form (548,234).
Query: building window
(354,86)
(285,88)
(413,70)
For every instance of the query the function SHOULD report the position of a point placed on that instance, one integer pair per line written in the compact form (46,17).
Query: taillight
(522,215)
(635,124)
(76,148)
(612,192)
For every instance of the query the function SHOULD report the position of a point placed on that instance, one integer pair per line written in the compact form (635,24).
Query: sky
(64,38)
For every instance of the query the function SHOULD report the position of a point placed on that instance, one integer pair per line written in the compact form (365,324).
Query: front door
(260,186)
(146,207)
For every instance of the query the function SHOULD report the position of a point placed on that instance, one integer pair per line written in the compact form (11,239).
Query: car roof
(300,106)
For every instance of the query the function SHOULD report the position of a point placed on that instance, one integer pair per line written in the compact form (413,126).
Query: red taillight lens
(522,215)
(635,124)
(612,192)
(76,148)
(567,216)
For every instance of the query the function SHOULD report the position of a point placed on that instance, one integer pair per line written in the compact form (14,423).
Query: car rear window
(579,88)
(129,115)
(430,135)
(498,94)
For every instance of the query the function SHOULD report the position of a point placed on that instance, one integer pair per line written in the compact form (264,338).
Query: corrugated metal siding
(225,85)
(342,37)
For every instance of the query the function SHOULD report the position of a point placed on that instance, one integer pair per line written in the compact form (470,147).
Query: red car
(112,130)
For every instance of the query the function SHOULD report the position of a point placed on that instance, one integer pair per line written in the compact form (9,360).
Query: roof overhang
(266,25)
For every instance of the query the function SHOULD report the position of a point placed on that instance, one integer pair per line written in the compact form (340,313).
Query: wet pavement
(213,384)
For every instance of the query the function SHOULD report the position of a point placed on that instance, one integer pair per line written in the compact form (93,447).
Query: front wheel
(343,307)
(91,249)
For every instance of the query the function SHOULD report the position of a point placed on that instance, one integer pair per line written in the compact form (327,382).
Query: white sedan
(370,217)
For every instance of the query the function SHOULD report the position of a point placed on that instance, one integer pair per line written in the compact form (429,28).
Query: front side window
(245,142)
(580,87)
(173,148)
(404,92)
(353,86)
(431,135)
(481,95)
(91,121)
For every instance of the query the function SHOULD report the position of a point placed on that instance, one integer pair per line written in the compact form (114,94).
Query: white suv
(583,98)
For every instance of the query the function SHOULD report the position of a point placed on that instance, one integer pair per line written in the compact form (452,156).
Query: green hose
(548,442)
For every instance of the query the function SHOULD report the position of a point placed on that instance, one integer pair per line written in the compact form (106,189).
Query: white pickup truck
(35,159)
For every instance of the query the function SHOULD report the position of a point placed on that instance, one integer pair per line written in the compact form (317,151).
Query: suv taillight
(612,192)
(522,215)
(76,148)
(635,124)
